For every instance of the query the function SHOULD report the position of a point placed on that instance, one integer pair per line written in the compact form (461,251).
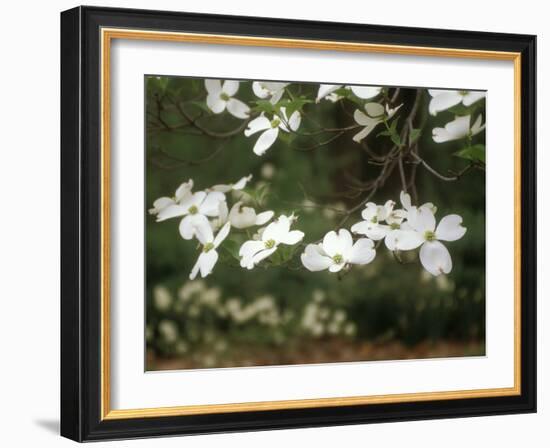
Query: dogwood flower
(372,226)
(445,99)
(272,90)
(209,255)
(337,251)
(376,114)
(457,129)
(239,185)
(195,209)
(271,128)
(161,203)
(405,199)
(220,97)
(276,233)
(363,92)
(242,217)
(434,256)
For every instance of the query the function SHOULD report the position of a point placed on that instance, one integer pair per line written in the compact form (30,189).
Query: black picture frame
(81,224)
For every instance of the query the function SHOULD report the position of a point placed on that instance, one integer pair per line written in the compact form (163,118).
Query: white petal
(251,248)
(211,204)
(258,124)
(241,183)
(374,110)
(230,87)
(160,204)
(193,224)
(264,217)
(207,261)
(292,237)
(195,269)
(453,130)
(314,258)
(449,228)
(361,118)
(471,97)
(184,190)
(364,92)
(194,199)
(262,255)
(215,103)
(295,120)
(237,108)
(265,141)
(277,96)
(421,219)
(203,234)
(336,267)
(277,229)
(242,217)
(477,127)
(361,227)
(213,86)
(362,252)
(222,234)
(260,90)
(331,244)
(435,258)
(405,199)
(444,100)
(403,240)
(325,89)
(338,243)
(377,231)
(171,211)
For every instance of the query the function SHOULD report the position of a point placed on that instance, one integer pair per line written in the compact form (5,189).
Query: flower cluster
(402,229)
(460,127)
(205,216)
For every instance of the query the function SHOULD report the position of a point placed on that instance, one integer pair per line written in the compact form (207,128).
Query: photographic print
(298,223)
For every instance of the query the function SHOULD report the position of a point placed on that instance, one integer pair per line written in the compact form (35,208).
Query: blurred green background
(288,315)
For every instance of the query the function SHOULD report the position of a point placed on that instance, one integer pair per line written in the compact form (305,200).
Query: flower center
(463,92)
(224,96)
(207,247)
(193,210)
(374,219)
(269,244)
(275,122)
(338,259)
(429,235)
(394,226)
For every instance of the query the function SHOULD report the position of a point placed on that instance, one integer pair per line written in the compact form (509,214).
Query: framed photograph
(275,224)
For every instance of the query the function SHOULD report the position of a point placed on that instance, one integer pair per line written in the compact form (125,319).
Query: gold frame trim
(107,35)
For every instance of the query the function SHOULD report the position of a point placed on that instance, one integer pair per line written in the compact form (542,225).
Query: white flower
(372,226)
(457,129)
(271,129)
(242,217)
(445,99)
(274,90)
(195,209)
(405,199)
(376,114)
(363,92)
(434,256)
(220,97)
(209,255)
(239,185)
(182,192)
(278,232)
(336,251)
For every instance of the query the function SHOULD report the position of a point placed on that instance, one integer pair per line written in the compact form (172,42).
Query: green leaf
(231,247)
(414,136)
(475,153)
(396,139)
